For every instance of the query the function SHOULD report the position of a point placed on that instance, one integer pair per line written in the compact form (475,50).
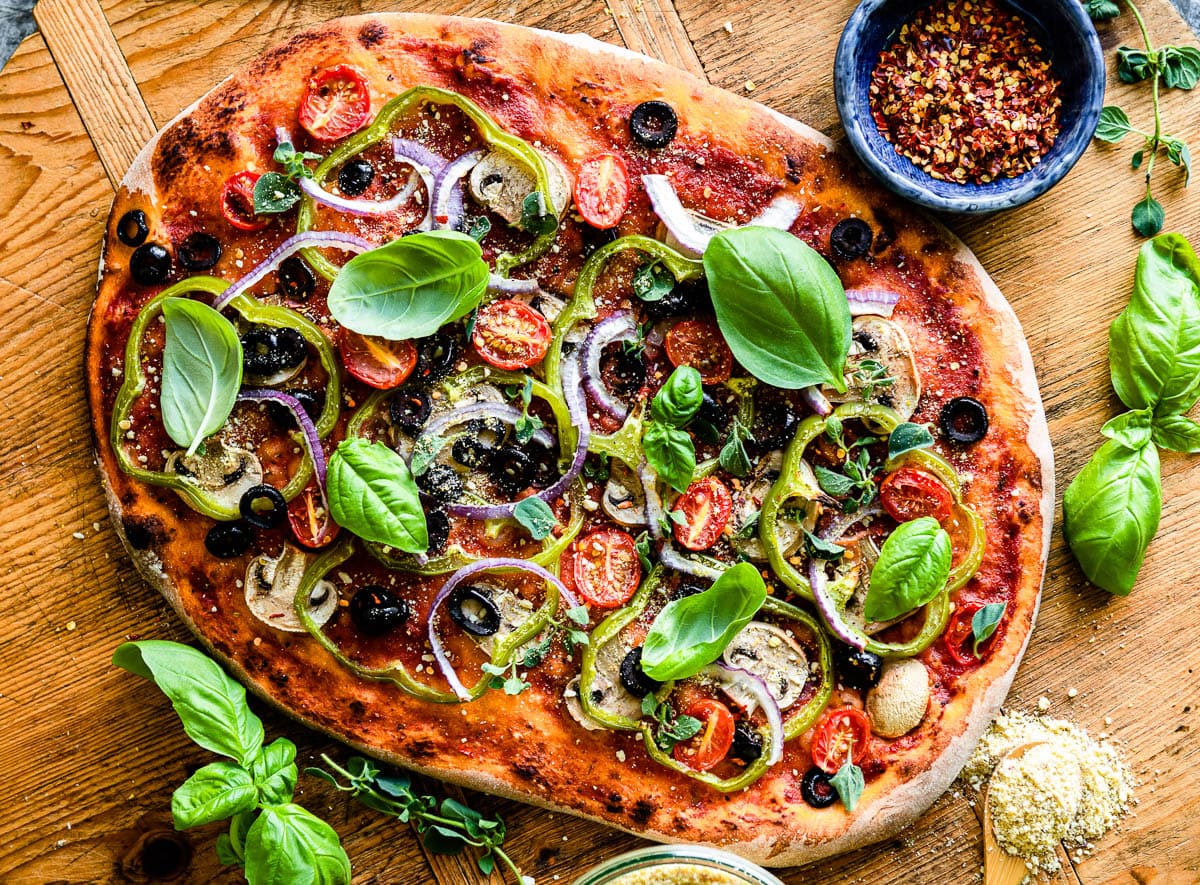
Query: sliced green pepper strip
(740,781)
(806,717)
(493,136)
(624,445)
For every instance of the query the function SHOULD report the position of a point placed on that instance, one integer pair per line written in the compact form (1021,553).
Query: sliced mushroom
(880,350)
(501,182)
(774,656)
(624,499)
(271,587)
(549,306)
(795,516)
(224,472)
(607,692)
(514,610)
(575,708)
(898,703)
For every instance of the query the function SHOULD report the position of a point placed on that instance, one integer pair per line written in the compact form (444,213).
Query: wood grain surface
(89,755)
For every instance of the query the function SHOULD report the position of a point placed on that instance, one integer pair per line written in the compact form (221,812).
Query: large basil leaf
(275,772)
(780,306)
(1154,345)
(1179,433)
(671,453)
(410,287)
(679,399)
(287,845)
(912,569)
(372,493)
(1110,513)
(201,372)
(217,791)
(211,706)
(691,633)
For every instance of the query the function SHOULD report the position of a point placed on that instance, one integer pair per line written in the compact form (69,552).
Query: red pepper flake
(967,93)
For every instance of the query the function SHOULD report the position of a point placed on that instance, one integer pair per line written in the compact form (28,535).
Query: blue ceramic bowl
(1060,25)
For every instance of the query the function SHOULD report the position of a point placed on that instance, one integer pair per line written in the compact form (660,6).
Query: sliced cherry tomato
(310,520)
(237,201)
(606,568)
(712,742)
(335,103)
(566,569)
(843,735)
(706,506)
(700,344)
(511,335)
(910,494)
(959,635)
(376,361)
(602,190)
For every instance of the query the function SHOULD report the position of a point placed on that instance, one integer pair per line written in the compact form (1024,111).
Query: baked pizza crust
(765,823)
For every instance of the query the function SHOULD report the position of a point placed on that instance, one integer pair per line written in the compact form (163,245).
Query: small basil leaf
(652,282)
(274,193)
(1178,433)
(443,840)
(671,454)
(1133,65)
(691,633)
(536,217)
(912,569)
(1131,429)
(679,399)
(201,373)
(984,623)
(215,792)
(225,852)
(1180,66)
(1101,10)
(372,494)
(274,771)
(480,228)
(1148,217)
(818,548)
(579,615)
(288,845)
(1114,125)
(833,483)
(908,437)
(1138,157)
(536,515)
(734,458)
(642,545)
(849,784)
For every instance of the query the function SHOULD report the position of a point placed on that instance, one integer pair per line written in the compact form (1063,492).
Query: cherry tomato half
(310,519)
(376,361)
(511,335)
(959,635)
(712,742)
(237,201)
(700,344)
(606,568)
(842,735)
(602,190)
(910,494)
(336,102)
(706,506)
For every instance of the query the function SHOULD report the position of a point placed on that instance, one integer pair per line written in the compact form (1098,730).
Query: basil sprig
(372,493)
(668,447)
(201,373)
(984,623)
(276,192)
(912,569)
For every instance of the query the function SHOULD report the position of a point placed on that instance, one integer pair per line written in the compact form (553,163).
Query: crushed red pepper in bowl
(967,93)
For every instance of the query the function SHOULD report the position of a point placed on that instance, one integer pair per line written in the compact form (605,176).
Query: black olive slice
(510,468)
(150,264)
(409,408)
(228,540)
(437,523)
(491,432)
(623,369)
(686,588)
(634,678)
(199,251)
(713,411)
(855,668)
(442,483)
(132,229)
(653,123)
(435,358)
(470,451)
(355,177)
(267,350)
(545,465)
(296,279)
(473,610)
(816,789)
(312,401)
(262,506)
(747,742)
(851,238)
(375,610)
(686,299)
(964,420)
(774,425)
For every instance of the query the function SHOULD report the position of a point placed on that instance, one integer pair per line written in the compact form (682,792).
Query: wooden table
(89,755)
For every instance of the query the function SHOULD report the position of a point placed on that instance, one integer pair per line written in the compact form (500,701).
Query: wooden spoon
(1000,867)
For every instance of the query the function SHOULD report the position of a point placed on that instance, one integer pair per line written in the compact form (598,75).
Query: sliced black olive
(263,506)
(228,540)
(712,411)
(296,279)
(816,789)
(491,432)
(267,350)
(409,408)
(510,468)
(685,299)
(594,238)
(851,238)
(470,451)
(545,465)
(774,425)
(964,420)
(686,588)
(132,229)
(355,177)
(437,523)
(435,358)
(375,610)
(473,610)
(441,483)
(634,678)
(312,401)
(653,123)
(855,668)
(624,370)
(747,742)
(199,251)
(150,264)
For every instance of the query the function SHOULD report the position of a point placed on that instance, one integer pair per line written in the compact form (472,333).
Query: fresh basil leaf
(642,545)
(372,494)
(274,771)
(780,306)
(579,615)
(1133,65)
(274,193)
(239,828)
(671,454)
(734,458)
(288,845)
(225,852)
(410,287)
(1101,10)
(201,372)
(1178,433)
(215,792)
(480,228)
(849,784)
(818,548)
(536,216)
(1114,124)
(652,282)
(1148,217)
(912,569)
(984,623)
(1111,512)
(486,863)
(691,633)
(833,483)
(536,515)
(679,399)
(211,706)
(1131,429)
(425,451)
(1154,345)
(908,437)
(1180,66)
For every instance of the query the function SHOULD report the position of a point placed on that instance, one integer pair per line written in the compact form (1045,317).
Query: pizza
(527,413)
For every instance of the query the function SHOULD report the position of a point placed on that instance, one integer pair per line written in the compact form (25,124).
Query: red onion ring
(815,400)
(360,206)
(828,609)
(872,301)
(497,283)
(448,193)
(694,236)
(757,689)
(838,527)
(618,327)
(312,439)
(506,413)
(654,507)
(483,565)
(673,559)
(572,383)
(427,164)
(308,239)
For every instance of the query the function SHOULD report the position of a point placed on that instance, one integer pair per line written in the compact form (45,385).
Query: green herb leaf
(372,494)
(816,548)
(1148,217)
(671,453)
(750,527)
(425,451)
(849,784)
(1138,157)
(1114,124)
(734,458)
(1178,433)
(679,399)
(780,306)
(410,287)
(833,483)
(642,545)
(652,282)
(274,193)
(1133,65)
(274,771)
(527,425)
(907,438)
(215,792)
(536,217)
(201,373)
(225,852)
(912,569)
(293,161)
(579,615)
(514,685)
(288,845)
(1131,429)
(1180,66)
(536,515)
(536,653)
(1179,154)
(480,228)
(984,623)
(691,633)
(1100,10)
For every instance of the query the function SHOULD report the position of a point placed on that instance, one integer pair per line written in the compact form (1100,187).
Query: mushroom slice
(794,516)
(898,703)
(607,692)
(224,472)
(575,708)
(271,587)
(514,611)
(501,182)
(881,363)
(774,656)
(624,499)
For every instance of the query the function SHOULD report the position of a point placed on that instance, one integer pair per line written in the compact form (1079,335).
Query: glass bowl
(721,867)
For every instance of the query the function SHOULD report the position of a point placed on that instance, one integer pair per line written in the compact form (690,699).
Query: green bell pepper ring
(806,717)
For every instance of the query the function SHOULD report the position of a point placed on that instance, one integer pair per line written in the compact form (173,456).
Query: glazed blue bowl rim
(913,184)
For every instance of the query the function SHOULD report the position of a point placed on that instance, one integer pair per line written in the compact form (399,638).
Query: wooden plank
(654,28)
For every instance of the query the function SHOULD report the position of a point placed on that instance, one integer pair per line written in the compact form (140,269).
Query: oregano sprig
(276,192)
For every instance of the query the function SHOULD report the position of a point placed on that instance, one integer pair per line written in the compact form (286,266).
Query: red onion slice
(506,413)
(497,283)
(360,206)
(618,327)
(816,401)
(309,239)
(483,565)
(781,213)
(872,301)
(415,154)
(312,439)
(572,383)
(654,507)
(673,559)
(838,527)
(751,685)
(828,609)
(448,193)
